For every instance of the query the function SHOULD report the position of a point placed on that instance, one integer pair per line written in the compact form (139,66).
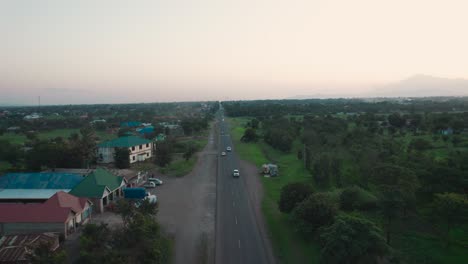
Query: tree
(352,239)
(391,205)
(451,209)
(250,135)
(122,158)
(163,153)
(292,194)
(189,151)
(326,168)
(314,212)
(396,120)
(42,254)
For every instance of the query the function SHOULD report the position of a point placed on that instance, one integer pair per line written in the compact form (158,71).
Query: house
(101,187)
(130,124)
(146,130)
(62,213)
(35,186)
(133,178)
(140,149)
(447,131)
(32,116)
(14,248)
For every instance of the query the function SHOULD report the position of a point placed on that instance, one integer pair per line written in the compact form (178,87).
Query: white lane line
(236,219)
(238,242)
(233,204)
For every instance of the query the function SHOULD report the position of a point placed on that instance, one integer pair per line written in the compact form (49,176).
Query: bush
(354,197)
(292,194)
(314,212)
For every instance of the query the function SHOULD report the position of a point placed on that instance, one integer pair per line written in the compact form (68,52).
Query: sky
(115,51)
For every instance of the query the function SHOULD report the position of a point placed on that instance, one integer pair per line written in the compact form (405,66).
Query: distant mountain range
(416,86)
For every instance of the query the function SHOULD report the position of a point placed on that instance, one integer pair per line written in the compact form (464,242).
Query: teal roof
(94,184)
(39,180)
(130,124)
(124,142)
(25,194)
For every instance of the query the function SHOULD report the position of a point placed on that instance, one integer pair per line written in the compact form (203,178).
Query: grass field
(287,243)
(64,133)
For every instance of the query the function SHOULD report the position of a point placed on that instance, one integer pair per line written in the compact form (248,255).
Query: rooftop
(95,184)
(39,180)
(13,248)
(28,194)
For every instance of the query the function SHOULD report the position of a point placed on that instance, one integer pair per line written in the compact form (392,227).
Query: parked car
(228,149)
(156,181)
(223,153)
(235,173)
(150,184)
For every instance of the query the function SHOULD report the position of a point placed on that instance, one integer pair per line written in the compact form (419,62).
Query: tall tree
(451,209)
(122,158)
(352,239)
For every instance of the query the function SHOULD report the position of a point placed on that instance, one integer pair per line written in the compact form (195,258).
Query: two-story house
(140,149)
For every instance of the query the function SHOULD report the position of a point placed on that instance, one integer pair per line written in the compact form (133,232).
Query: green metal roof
(124,142)
(95,184)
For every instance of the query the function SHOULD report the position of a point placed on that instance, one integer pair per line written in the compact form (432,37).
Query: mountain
(422,86)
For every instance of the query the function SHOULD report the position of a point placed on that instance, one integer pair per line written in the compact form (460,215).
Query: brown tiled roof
(55,210)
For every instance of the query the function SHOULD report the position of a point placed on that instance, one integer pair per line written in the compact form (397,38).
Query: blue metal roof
(39,180)
(26,194)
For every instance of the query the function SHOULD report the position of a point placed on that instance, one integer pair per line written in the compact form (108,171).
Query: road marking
(233,204)
(236,219)
(238,242)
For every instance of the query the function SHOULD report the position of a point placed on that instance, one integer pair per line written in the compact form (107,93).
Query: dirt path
(187,209)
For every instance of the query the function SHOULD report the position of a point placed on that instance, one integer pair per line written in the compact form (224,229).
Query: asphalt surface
(238,237)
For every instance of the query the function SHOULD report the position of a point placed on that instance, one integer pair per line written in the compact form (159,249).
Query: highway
(238,239)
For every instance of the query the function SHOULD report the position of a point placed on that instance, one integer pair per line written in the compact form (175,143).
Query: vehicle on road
(235,173)
(223,153)
(134,193)
(151,198)
(228,148)
(156,181)
(150,184)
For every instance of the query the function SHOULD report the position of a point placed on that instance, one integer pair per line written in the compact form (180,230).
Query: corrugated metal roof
(13,248)
(39,180)
(25,194)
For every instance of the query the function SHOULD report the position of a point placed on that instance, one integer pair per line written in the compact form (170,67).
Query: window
(133,148)
(147,145)
(141,146)
(133,157)
(147,154)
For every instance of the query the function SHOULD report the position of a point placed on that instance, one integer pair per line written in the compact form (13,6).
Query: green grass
(14,138)
(287,243)
(179,167)
(64,133)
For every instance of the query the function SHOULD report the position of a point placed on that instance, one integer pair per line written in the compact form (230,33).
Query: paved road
(238,239)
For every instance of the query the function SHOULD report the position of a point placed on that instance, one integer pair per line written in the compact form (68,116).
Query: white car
(223,153)
(228,148)
(150,184)
(235,173)
(156,181)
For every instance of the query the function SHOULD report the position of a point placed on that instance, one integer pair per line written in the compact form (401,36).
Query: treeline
(328,106)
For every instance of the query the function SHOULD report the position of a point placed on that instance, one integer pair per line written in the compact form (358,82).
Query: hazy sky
(133,51)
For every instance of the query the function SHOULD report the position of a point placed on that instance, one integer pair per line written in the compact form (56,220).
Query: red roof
(56,209)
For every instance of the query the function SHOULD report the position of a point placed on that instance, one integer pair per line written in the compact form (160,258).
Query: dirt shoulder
(187,208)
